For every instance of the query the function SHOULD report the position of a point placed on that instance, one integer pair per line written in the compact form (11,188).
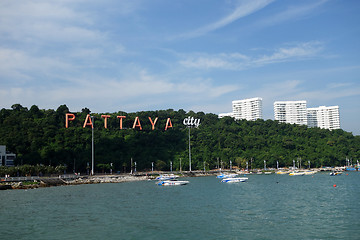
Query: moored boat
(335,173)
(309,172)
(226,175)
(172,182)
(296,174)
(167,177)
(234,179)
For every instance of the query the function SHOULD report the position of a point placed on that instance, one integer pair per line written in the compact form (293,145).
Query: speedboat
(226,175)
(335,173)
(310,172)
(172,182)
(296,174)
(234,179)
(167,177)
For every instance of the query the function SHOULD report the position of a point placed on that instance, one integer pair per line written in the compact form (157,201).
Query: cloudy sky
(139,55)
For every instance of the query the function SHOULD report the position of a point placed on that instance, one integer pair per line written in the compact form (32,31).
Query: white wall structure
(6,158)
(293,112)
(249,109)
(324,117)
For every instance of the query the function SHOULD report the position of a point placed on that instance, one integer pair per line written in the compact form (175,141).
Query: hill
(40,137)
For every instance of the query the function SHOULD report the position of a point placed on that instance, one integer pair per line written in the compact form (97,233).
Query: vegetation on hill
(39,137)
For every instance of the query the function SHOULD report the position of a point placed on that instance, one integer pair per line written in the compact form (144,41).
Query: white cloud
(302,50)
(237,61)
(292,12)
(245,8)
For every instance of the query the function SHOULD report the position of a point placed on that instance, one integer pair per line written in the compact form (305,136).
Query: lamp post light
(189,152)
(92,146)
(190,122)
(264,164)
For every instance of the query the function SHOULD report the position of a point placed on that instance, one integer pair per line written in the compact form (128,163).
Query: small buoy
(347,174)
(334,185)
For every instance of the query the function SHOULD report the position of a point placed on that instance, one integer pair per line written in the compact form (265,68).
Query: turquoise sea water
(265,207)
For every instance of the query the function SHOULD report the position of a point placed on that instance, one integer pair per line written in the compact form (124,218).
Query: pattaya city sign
(191,122)
(137,124)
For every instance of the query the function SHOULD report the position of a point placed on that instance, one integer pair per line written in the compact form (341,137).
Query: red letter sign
(168,124)
(69,117)
(137,123)
(88,121)
(153,123)
(105,119)
(121,118)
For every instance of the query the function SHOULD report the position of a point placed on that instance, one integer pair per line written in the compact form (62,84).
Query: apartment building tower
(324,117)
(249,109)
(293,112)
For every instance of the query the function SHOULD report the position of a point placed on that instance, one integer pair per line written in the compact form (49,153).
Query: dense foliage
(39,137)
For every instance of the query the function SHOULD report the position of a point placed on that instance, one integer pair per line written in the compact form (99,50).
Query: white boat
(309,172)
(226,175)
(296,174)
(234,179)
(167,177)
(172,182)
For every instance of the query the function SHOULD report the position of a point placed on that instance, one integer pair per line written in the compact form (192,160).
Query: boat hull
(172,183)
(234,180)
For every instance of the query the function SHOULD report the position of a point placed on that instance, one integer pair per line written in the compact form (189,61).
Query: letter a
(168,124)
(137,123)
(88,121)
(69,117)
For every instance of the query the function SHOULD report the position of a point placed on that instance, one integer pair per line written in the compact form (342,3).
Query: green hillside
(40,137)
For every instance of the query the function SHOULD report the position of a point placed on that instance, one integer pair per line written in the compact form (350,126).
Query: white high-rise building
(324,117)
(249,109)
(293,112)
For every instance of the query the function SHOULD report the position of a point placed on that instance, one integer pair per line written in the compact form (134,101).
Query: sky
(141,55)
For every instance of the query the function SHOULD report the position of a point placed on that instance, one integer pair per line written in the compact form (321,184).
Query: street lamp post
(189,152)
(92,146)
(264,164)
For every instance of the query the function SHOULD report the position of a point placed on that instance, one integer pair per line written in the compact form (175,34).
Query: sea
(265,207)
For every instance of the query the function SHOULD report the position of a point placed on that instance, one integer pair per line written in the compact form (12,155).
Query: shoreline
(72,179)
(67,180)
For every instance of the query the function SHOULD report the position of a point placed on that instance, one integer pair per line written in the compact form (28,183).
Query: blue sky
(140,55)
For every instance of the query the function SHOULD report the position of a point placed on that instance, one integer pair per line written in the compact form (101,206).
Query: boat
(296,174)
(167,177)
(335,173)
(234,179)
(309,172)
(282,172)
(226,175)
(172,182)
